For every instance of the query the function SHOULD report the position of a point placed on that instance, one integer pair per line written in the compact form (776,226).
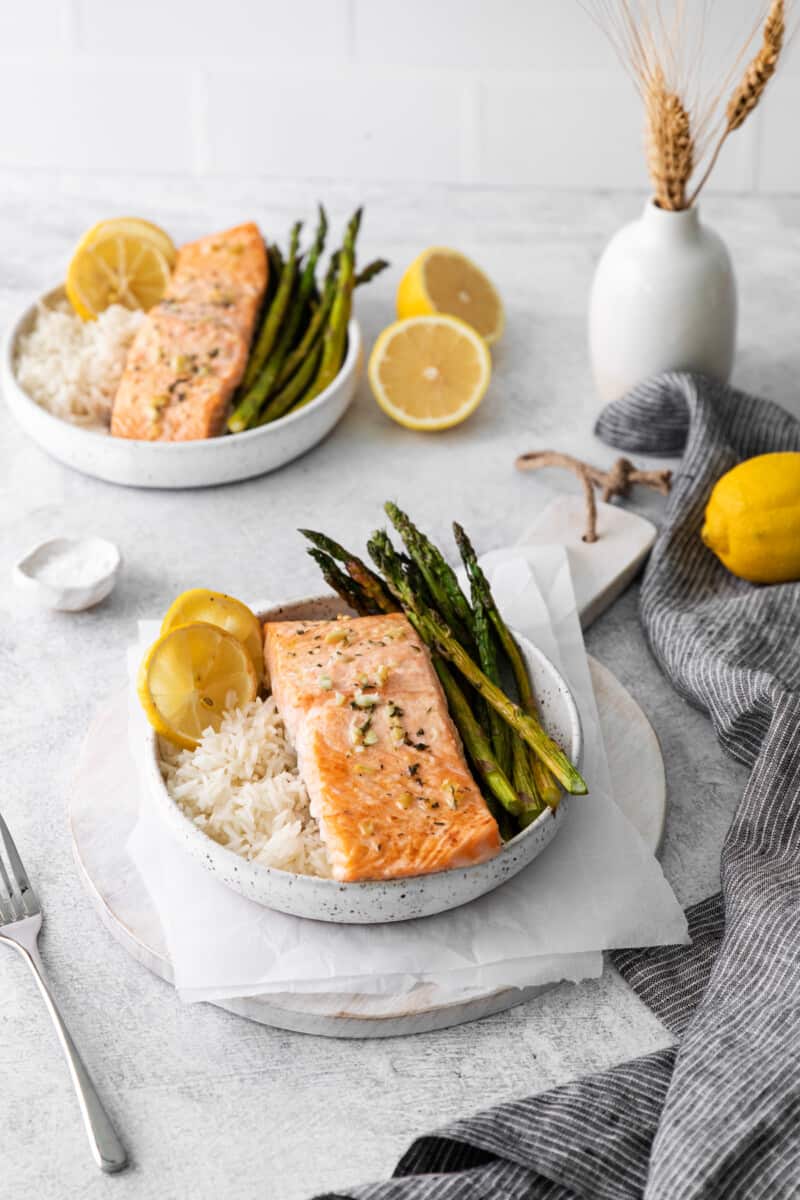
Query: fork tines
(18,899)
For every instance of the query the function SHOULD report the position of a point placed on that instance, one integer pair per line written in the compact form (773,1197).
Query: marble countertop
(208,1104)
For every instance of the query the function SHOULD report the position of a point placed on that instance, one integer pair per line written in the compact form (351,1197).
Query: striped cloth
(718,1115)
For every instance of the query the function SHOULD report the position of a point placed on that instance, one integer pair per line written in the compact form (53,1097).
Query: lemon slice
(123,261)
(138,227)
(429,372)
(200,604)
(188,679)
(445,281)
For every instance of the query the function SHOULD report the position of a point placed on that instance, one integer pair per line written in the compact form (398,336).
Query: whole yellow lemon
(752,522)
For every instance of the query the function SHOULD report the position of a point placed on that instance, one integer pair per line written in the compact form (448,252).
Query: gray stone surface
(208,1104)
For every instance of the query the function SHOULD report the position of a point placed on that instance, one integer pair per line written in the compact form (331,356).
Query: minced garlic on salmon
(377,750)
(190,353)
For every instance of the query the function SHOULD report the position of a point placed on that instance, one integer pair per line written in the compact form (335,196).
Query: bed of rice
(241,787)
(73,367)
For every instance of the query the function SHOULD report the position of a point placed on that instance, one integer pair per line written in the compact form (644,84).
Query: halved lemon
(445,281)
(188,679)
(215,608)
(429,372)
(121,261)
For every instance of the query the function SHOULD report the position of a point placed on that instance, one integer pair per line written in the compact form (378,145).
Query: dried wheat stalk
(664,52)
(756,77)
(670,146)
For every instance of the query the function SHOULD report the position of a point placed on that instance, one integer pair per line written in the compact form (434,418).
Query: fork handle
(107,1150)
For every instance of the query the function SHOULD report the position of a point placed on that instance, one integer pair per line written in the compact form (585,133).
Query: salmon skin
(379,755)
(190,353)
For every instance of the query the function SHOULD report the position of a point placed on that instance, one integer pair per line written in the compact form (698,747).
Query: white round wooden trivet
(102,818)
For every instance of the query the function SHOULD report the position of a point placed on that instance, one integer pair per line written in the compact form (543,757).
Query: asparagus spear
(283,274)
(441,584)
(342,584)
(546,786)
(438,575)
(439,638)
(476,742)
(360,574)
(335,337)
(275,266)
(487,654)
(260,387)
(307,280)
(285,399)
(321,313)
(368,273)
(525,782)
(315,326)
(358,570)
(248,407)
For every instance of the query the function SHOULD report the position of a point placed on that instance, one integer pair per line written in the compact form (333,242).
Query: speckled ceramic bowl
(177,464)
(375,902)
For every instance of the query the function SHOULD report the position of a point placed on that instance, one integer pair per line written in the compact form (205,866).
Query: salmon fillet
(190,353)
(379,755)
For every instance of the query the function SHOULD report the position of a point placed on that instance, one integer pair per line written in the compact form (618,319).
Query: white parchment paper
(596,886)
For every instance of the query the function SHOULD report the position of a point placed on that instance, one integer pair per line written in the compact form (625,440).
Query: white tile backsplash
(480,35)
(779,166)
(528,135)
(495,92)
(346,124)
(276,32)
(87,117)
(34,26)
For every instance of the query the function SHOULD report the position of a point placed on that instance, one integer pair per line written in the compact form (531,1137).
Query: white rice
(241,787)
(73,367)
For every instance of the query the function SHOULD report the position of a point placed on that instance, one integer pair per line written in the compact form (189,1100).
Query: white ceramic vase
(663,298)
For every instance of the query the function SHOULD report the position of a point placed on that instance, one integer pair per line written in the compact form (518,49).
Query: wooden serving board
(102,817)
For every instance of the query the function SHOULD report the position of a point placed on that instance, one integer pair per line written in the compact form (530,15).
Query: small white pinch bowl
(203,463)
(87,586)
(377,901)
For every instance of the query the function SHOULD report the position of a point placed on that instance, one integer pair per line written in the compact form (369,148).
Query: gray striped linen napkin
(718,1114)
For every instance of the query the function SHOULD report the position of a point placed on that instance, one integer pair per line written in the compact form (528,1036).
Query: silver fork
(20,922)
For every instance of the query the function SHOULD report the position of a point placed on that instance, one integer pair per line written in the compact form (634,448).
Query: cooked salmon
(379,755)
(190,353)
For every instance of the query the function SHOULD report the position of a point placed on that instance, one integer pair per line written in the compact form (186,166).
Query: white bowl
(377,901)
(89,584)
(177,464)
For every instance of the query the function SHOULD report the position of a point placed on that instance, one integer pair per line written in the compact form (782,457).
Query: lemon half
(429,372)
(188,679)
(445,281)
